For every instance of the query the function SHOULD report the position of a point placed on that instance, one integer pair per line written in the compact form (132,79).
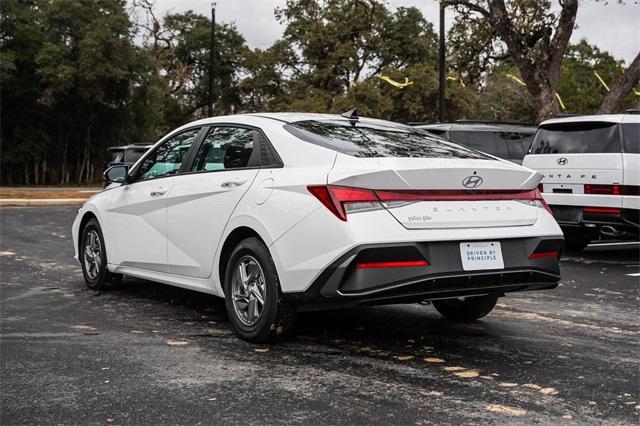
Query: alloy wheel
(248,290)
(92,254)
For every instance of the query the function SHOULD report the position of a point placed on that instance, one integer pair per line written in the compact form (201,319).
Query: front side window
(577,138)
(168,157)
(225,148)
(366,139)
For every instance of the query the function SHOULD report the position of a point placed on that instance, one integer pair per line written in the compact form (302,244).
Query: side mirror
(116,174)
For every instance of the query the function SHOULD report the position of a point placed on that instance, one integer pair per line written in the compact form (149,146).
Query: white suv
(591,169)
(281,213)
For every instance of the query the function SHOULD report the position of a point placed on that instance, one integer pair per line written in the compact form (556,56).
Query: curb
(5,202)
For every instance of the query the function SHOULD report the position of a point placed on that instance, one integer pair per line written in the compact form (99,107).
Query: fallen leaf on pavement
(172,342)
(467,374)
(503,409)
(404,357)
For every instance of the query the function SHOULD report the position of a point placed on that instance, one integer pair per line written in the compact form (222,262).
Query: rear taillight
(612,189)
(341,200)
(602,189)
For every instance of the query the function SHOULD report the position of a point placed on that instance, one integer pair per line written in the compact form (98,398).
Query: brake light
(604,210)
(612,189)
(342,199)
(602,189)
(400,264)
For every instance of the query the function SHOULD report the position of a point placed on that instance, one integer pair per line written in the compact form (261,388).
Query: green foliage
(79,76)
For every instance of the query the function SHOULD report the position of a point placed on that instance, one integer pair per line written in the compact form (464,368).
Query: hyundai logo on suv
(472,181)
(562,161)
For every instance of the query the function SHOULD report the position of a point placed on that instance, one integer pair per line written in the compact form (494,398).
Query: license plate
(484,255)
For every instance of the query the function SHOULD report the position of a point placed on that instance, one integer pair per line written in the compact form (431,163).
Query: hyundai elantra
(281,213)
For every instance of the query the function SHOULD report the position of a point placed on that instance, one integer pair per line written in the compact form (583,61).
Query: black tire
(277,316)
(576,244)
(467,309)
(576,239)
(95,278)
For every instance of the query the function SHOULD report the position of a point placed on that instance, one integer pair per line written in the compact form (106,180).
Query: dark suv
(508,141)
(126,155)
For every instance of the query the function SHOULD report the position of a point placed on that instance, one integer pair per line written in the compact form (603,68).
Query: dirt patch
(44,194)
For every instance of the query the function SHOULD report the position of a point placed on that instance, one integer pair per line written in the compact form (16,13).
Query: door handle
(158,191)
(232,183)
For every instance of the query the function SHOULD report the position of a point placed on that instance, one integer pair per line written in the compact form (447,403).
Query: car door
(137,210)
(201,202)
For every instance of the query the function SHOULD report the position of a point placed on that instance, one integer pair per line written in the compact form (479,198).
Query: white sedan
(281,213)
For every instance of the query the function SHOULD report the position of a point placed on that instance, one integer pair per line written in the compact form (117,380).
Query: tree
(72,76)
(532,35)
(180,45)
(614,99)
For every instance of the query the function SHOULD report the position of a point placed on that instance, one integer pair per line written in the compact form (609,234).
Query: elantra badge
(472,181)
(562,161)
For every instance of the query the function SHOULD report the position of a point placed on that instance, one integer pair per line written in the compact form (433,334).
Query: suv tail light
(341,200)
(602,189)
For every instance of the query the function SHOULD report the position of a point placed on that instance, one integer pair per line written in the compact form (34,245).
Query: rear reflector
(542,254)
(401,264)
(342,199)
(601,210)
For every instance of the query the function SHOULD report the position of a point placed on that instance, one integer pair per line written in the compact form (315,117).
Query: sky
(611,26)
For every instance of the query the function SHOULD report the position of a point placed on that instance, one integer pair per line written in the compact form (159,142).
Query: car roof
(607,118)
(292,117)
(134,146)
(479,127)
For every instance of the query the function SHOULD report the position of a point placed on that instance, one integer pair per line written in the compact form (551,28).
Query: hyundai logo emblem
(562,161)
(472,181)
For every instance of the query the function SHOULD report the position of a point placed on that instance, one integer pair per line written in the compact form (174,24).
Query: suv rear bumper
(342,284)
(625,221)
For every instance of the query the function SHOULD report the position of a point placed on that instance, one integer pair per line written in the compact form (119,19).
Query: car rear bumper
(343,284)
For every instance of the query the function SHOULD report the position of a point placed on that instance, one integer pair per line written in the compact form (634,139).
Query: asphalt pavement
(147,353)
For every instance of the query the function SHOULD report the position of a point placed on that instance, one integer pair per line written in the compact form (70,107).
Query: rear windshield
(512,145)
(577,138)
(631,133)
(374,140)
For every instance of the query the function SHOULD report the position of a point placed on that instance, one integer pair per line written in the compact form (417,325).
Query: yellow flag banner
(394,83)
(601,80)
(459,80)
(516,79)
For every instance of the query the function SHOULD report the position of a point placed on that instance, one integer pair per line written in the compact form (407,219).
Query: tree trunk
(613,100)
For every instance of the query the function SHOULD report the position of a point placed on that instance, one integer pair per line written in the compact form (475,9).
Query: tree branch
(612,101)
(561,37)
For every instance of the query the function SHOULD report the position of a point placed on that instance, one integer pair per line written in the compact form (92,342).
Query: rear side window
(133,154)
(577,138)
(225,148)
(631,132)
(375,140)
(116,156)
